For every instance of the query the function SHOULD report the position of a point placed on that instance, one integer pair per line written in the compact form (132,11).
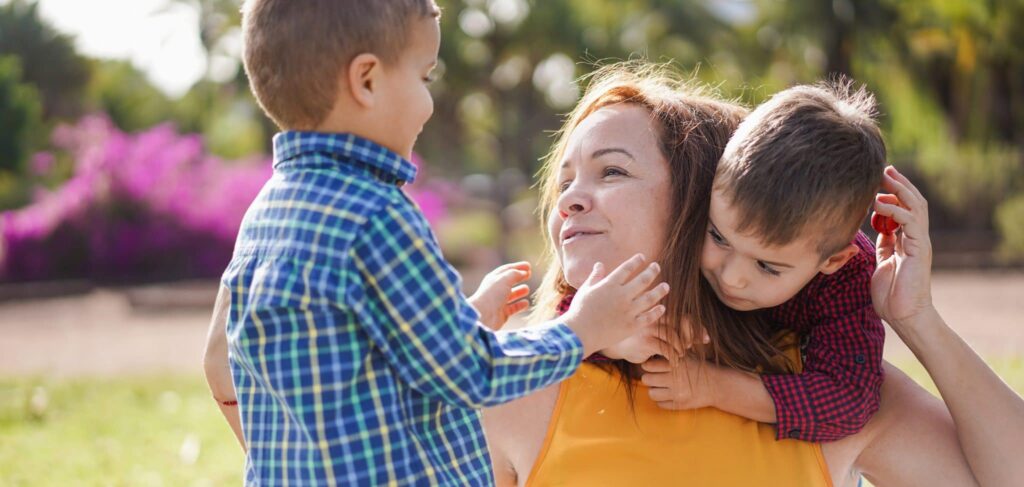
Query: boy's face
(747,275)
(406,100)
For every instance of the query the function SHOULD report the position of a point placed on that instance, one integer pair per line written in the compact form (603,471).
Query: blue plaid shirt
(354,354)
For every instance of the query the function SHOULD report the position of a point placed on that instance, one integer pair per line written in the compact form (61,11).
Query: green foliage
(1010,222)
(20,121)
(972,178)
(48,58)
(122,91)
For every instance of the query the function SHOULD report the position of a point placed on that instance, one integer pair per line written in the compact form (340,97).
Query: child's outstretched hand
(502,293)
(901,285)
(608,309)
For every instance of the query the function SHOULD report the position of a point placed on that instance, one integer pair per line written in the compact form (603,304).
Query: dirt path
(103,333)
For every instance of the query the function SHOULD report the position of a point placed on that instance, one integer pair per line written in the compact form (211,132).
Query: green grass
(149,431)
(152,431)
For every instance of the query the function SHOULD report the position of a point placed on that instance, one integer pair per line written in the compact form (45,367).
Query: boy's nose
(731,276)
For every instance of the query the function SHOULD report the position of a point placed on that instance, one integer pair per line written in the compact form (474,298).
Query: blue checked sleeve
(415,312)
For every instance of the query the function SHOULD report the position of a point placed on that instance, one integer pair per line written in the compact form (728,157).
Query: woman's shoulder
(516,431)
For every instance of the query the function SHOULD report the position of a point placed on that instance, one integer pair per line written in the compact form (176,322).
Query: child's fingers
(596,275)
(523,267)
(671,405)
(628,269)
(644,280)
(656,365)
(660,379)
(651,315)
(519,292)
(661,394)
(652,297)
(516,307)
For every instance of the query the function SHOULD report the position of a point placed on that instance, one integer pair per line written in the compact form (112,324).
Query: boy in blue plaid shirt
(353,353)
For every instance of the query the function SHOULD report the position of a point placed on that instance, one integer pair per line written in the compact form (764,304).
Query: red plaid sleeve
(839,388)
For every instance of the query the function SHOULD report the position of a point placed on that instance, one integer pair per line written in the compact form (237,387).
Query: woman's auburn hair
(693,128)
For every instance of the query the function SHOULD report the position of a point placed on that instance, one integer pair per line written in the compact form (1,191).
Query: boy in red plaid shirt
(790,193)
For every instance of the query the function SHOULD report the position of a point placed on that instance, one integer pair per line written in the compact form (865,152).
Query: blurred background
(130,147)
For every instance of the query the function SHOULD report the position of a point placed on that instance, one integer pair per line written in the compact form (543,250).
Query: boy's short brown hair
(809,159)
(294,50)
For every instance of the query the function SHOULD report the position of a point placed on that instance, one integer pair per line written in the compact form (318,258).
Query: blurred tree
(20,131)
(19,117)
(127,96)
(48,58)
(219,20)
(949,75)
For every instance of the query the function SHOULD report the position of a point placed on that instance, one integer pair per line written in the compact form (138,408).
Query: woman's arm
(910,441)
(988,415)
(215,363)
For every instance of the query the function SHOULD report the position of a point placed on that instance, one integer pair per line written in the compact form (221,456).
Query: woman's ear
(362,79)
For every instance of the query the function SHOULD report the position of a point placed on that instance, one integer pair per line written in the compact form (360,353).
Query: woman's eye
(564,186)
(614,171)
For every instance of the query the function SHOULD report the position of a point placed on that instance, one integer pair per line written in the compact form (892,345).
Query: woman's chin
(577,273)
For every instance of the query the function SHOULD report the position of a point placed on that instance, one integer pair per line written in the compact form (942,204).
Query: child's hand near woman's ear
(502,293)
(901,285)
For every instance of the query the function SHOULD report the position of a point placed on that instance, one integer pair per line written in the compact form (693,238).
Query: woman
(640,154)
(910,441)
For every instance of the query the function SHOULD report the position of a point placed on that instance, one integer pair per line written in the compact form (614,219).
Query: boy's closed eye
(767,268)
(717,237)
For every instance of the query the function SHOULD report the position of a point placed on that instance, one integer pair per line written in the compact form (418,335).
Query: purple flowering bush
(147,206)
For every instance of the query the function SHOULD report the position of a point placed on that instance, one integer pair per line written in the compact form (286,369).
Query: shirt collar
(345,148)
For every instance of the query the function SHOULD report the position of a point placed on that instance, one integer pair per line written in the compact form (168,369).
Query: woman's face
(614,192)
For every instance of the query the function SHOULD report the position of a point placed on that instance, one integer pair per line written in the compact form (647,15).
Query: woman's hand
(901,285)
(502,294)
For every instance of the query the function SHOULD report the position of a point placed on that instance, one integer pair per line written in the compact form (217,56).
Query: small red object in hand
(884,224)
(229,403)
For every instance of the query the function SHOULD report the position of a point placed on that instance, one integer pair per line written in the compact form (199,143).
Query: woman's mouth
(575,236)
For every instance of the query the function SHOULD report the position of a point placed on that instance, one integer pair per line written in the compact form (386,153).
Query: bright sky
(163,42)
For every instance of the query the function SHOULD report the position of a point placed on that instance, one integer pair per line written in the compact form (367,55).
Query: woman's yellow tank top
(594,439)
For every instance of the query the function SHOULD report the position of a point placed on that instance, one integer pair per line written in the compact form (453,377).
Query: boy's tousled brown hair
(806,162)
(693,127)
(295,50)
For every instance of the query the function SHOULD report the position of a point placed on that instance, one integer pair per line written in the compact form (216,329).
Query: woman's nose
(574,200)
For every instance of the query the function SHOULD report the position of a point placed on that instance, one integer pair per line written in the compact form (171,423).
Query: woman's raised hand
(901,285)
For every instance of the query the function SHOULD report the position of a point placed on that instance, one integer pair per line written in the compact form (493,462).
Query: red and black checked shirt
(840,386)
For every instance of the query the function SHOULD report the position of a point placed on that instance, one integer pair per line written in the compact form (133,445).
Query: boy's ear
(362,76)
(837,260)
